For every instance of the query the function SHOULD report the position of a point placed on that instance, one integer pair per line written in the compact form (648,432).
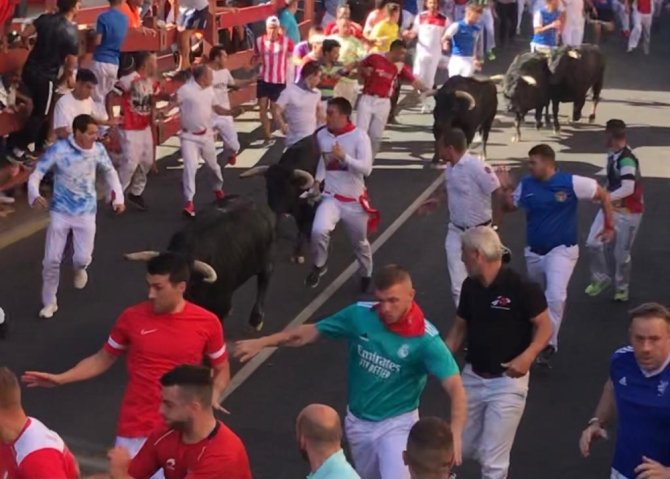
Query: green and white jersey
(386,372)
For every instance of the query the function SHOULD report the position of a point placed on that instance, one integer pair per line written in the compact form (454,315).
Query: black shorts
(603,15)
(194,19)
(269,90)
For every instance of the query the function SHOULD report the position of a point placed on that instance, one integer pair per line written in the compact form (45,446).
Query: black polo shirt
(498,318)
(57,37)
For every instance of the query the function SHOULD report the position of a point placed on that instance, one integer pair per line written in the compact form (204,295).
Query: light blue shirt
(289,25)
(74,170)
(335,467)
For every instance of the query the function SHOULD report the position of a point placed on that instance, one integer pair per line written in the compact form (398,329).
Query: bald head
(319,425)
(10,391)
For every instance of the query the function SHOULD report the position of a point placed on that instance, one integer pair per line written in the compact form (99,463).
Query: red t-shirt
(644,6)
(219,456)
(380,81)
(38,453)
(355,29)
(136,100)
(157,343)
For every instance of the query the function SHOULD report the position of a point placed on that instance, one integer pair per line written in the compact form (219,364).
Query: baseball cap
(272,21)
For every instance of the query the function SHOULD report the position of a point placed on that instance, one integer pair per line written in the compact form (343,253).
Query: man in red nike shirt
(157,335)
(28,449)
(193,444)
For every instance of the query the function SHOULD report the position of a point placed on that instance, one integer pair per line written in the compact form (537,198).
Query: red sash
(412,324)
(374,216)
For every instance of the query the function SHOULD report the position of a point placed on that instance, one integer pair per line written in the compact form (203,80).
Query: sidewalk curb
(23,231)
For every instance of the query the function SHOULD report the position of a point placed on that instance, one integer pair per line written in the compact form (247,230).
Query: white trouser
(641,29)
(133,446)
(614,255)
(620,10)
(347,89)
(520,4)
(137,148)
(355,219)
(425,66)
(457,272)
(106,74)
(553,272)
(376,447)
(495,407)
(537,48)
(372,115)
(463,66)
(225,127)
(486,22)
(83,238)
(573,33)
(459,12)
(193,147)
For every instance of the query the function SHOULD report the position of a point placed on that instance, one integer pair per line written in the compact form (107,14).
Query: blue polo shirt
(551,209)
(335,467)
(113,26)
(643,413)
(463,38)
(547,38)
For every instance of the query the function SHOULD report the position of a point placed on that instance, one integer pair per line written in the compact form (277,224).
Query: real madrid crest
(403,351)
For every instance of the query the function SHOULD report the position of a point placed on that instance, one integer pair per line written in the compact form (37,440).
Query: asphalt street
(264,406)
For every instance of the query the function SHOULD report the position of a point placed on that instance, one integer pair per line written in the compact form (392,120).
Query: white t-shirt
(221,79)
(195,104)
(574,12)
(299,106)
(430,30)
(68,108)
(469,184)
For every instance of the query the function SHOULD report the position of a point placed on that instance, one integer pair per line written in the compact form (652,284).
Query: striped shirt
(274,55)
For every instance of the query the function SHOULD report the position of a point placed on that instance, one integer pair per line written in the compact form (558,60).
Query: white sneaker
(6,200)
(80,278)
(48,311)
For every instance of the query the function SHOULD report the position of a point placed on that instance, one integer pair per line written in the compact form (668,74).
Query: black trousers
(36,128)
(507,13)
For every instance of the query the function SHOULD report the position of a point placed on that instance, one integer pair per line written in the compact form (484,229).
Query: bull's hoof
(299,259)
(539,125)
(256,322)
(592,118)
(557,130)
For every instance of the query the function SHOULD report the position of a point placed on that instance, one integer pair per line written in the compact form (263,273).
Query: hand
(428,207)
(247,349)
(216,403)
(606,235)
(478,65)
(338,152)
(502,172)
(119,461)
(594,431)
(518,366)
(284,128)
(457,448)
(119,208)
(35,379)
(40,203)
(147,31)
(650,469)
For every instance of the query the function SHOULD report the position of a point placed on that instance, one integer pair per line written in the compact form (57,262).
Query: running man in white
(625,189)
(392,349)
(470,188)
(643,13)
(346,159)
(74,162)
(429,27)
(196,100)
(223,82)
(488,26)
(573,29)
(138,92)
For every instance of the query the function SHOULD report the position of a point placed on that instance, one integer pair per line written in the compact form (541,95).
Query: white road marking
(249,368)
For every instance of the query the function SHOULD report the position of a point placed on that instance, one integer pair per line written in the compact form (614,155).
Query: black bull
(533,81)
(466,103)
(229,242)
(286,182)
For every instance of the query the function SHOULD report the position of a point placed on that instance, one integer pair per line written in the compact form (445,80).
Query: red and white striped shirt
(274,55)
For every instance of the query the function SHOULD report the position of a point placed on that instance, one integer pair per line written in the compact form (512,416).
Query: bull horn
(206,270)
(141,255)
(305,176)
(466,96)
(497,78)
(255,171)
(574,54)
(529,79)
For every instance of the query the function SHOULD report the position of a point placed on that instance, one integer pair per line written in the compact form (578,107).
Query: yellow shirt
(383,34)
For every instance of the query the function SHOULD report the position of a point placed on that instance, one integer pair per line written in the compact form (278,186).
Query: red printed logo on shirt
(501,302)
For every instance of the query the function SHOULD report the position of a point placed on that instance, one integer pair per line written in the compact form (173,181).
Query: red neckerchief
(412,324)
(347,128)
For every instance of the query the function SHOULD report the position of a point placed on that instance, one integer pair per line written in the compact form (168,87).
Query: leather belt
(465,228)
(196,133)
(485,375)
(543,251)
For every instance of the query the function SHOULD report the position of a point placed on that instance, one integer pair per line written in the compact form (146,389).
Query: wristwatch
(595,420)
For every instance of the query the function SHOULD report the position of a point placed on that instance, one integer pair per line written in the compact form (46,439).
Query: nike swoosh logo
(148,331)
(529,194)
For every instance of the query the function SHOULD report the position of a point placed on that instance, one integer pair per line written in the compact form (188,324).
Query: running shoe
(597,287)
(313,278)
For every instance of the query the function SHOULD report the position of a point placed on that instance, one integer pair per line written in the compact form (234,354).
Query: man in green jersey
(392,349)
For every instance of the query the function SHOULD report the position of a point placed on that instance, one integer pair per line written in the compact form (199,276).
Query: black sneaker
(365,284)
(313,278)
(544,358)
(137,201)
